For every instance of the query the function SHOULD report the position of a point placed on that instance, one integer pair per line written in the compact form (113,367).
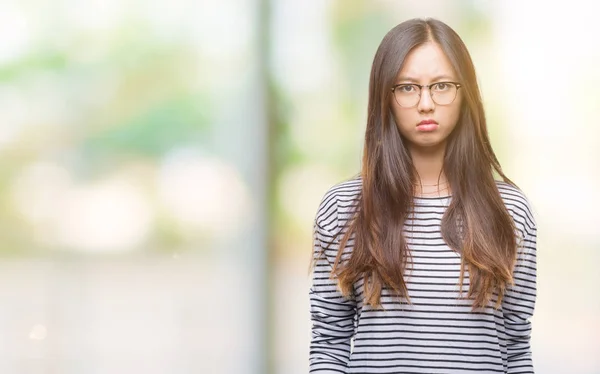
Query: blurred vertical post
(263,184)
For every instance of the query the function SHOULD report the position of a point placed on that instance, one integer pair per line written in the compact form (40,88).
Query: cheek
(455,116)
(449,115)
(456,109)
(452,116)
(403,118)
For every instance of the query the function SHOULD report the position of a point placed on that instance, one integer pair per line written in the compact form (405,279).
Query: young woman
(424,262)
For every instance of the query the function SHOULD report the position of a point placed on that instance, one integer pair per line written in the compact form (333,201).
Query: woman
(424,262)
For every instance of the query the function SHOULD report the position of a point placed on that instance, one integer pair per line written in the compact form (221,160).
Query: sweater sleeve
(332,314)
(518,305)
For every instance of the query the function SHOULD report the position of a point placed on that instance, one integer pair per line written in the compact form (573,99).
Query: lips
(427,122)
(427,125)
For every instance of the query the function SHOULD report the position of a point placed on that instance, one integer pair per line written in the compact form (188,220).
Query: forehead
(426,62)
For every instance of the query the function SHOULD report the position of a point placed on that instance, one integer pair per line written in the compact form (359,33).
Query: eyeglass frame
(456,84)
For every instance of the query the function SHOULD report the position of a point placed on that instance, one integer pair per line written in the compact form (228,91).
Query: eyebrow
(437,78)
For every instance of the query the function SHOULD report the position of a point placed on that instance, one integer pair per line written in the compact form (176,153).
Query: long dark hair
(476,223)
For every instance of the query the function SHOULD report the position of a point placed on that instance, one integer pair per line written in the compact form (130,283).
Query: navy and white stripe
(437,332)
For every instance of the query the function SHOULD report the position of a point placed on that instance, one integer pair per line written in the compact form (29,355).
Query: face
(425,65)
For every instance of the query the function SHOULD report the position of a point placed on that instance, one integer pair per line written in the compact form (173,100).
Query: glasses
(407,95)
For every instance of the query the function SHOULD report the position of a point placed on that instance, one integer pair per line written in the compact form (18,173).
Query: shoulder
(337,202)
(518,206)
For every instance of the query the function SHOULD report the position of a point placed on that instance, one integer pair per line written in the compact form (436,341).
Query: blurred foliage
(152,132)
(126,97)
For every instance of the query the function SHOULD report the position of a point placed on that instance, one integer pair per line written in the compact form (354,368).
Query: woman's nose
(426,103)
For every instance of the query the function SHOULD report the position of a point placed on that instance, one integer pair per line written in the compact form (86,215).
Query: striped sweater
(437,332)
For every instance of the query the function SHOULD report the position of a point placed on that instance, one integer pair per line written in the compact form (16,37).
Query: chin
(434,143)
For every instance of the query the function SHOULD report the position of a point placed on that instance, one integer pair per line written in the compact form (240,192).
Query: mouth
(427,125)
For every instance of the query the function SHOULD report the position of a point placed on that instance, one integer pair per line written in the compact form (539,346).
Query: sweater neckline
(437,200)
(433,198)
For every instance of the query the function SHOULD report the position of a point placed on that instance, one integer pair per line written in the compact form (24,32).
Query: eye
(406,88)
(442,86)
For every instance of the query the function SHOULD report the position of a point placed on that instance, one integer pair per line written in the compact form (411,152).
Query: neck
(429,164)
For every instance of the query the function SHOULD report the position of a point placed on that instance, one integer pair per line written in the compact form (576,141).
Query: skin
(424,65)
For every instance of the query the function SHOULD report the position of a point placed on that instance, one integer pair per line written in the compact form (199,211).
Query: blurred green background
(161,164)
